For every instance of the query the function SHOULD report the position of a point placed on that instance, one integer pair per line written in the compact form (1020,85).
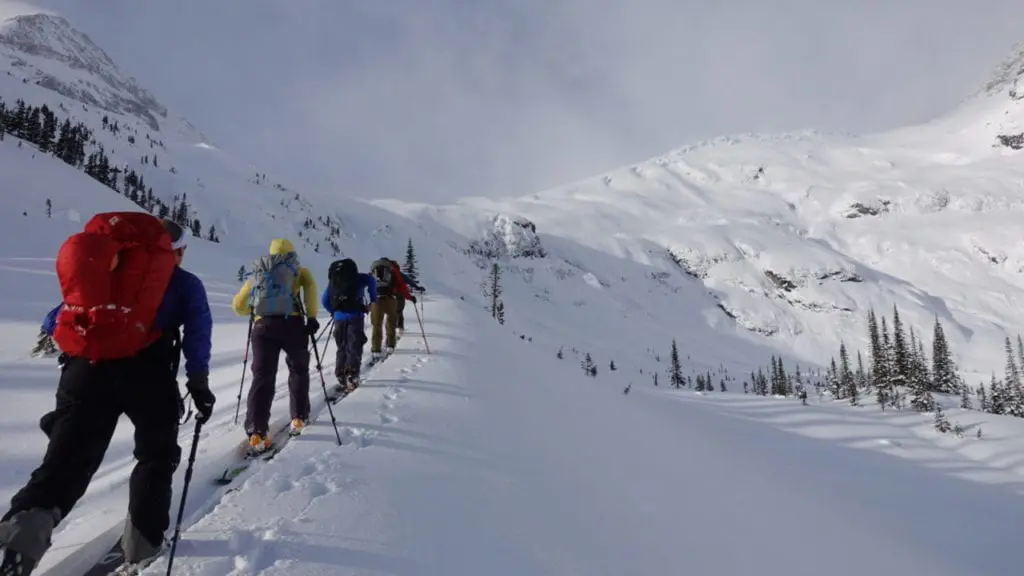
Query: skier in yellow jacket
(282,320)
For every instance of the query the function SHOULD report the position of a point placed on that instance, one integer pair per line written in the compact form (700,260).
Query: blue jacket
(366,284)
(184,305)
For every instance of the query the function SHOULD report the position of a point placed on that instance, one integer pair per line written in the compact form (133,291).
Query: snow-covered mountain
(739,249)
(46,50)
(793,238)
(778,244)
(44,61)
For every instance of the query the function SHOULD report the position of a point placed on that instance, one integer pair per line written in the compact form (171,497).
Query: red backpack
(113,276)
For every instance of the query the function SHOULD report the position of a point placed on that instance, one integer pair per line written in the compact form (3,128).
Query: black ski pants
(349,339)
(90,400)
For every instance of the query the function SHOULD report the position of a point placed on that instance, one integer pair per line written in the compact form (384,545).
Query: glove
(202,398)
(312,326)
(412,299)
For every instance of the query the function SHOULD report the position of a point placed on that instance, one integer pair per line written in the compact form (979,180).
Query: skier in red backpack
(125,297)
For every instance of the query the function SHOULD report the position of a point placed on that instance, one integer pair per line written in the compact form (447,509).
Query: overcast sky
(436,99)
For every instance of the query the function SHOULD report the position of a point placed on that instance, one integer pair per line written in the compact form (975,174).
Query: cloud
(441,99)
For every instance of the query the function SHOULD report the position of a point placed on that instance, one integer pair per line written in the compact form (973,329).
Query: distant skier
(626,391)
(345,299)
(391,289)
(110,371)
(281,321)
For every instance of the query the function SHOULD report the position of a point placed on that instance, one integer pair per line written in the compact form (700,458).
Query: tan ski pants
(385,308)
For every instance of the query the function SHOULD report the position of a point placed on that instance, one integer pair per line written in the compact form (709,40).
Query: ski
(278,441)
(113,559)
(113,562)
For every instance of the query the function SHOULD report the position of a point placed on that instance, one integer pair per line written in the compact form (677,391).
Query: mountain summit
(46,50)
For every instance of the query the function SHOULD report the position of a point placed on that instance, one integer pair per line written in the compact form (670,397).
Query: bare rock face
(511,236)
(46,50)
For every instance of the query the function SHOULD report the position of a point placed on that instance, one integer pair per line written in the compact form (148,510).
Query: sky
(440,99)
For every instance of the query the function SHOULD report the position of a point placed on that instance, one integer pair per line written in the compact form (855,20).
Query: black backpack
(381,272)
(344,288)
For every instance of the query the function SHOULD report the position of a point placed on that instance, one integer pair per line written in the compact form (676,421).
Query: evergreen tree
(588,365)
(49,208)
(921,398)
(560,354)
(861,379)
(45,346)
(494,291)
(1010,374)
(941,423)
(241,273)
(411,267)
(1020,355)
(900,359)
(783,379)
(675,368)
(965,397)
(832,380)
(879,375)
(945,379)
(888,357)
(1014,401)
(847,383)
(997,398)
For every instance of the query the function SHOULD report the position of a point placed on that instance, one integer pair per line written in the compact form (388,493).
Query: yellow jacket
(305,282)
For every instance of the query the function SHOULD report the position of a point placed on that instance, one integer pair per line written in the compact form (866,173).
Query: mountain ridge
(784,241)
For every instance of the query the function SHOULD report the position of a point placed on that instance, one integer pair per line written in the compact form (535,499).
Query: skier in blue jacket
(346,299)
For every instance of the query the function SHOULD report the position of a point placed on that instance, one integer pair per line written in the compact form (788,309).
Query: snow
(488,454)
(487,457)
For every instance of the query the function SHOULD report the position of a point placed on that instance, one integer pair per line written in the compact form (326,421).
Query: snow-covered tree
(494,290)
(411,267)
(944,376)
(675,376)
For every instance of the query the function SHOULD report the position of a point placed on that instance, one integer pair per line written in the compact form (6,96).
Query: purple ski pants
(271,336)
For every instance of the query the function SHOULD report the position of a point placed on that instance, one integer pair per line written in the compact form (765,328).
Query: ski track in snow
(484,458)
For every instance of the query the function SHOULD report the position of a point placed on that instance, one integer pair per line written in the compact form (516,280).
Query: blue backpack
(273,279)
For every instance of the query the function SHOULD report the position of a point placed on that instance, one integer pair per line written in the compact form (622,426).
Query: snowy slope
(488,456)
(527,467)
(792,238)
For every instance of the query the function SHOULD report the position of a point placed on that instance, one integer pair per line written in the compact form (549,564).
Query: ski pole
(327,343)
(184,495)
(323,331)
(422,331)
(323,384)
(245,363)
